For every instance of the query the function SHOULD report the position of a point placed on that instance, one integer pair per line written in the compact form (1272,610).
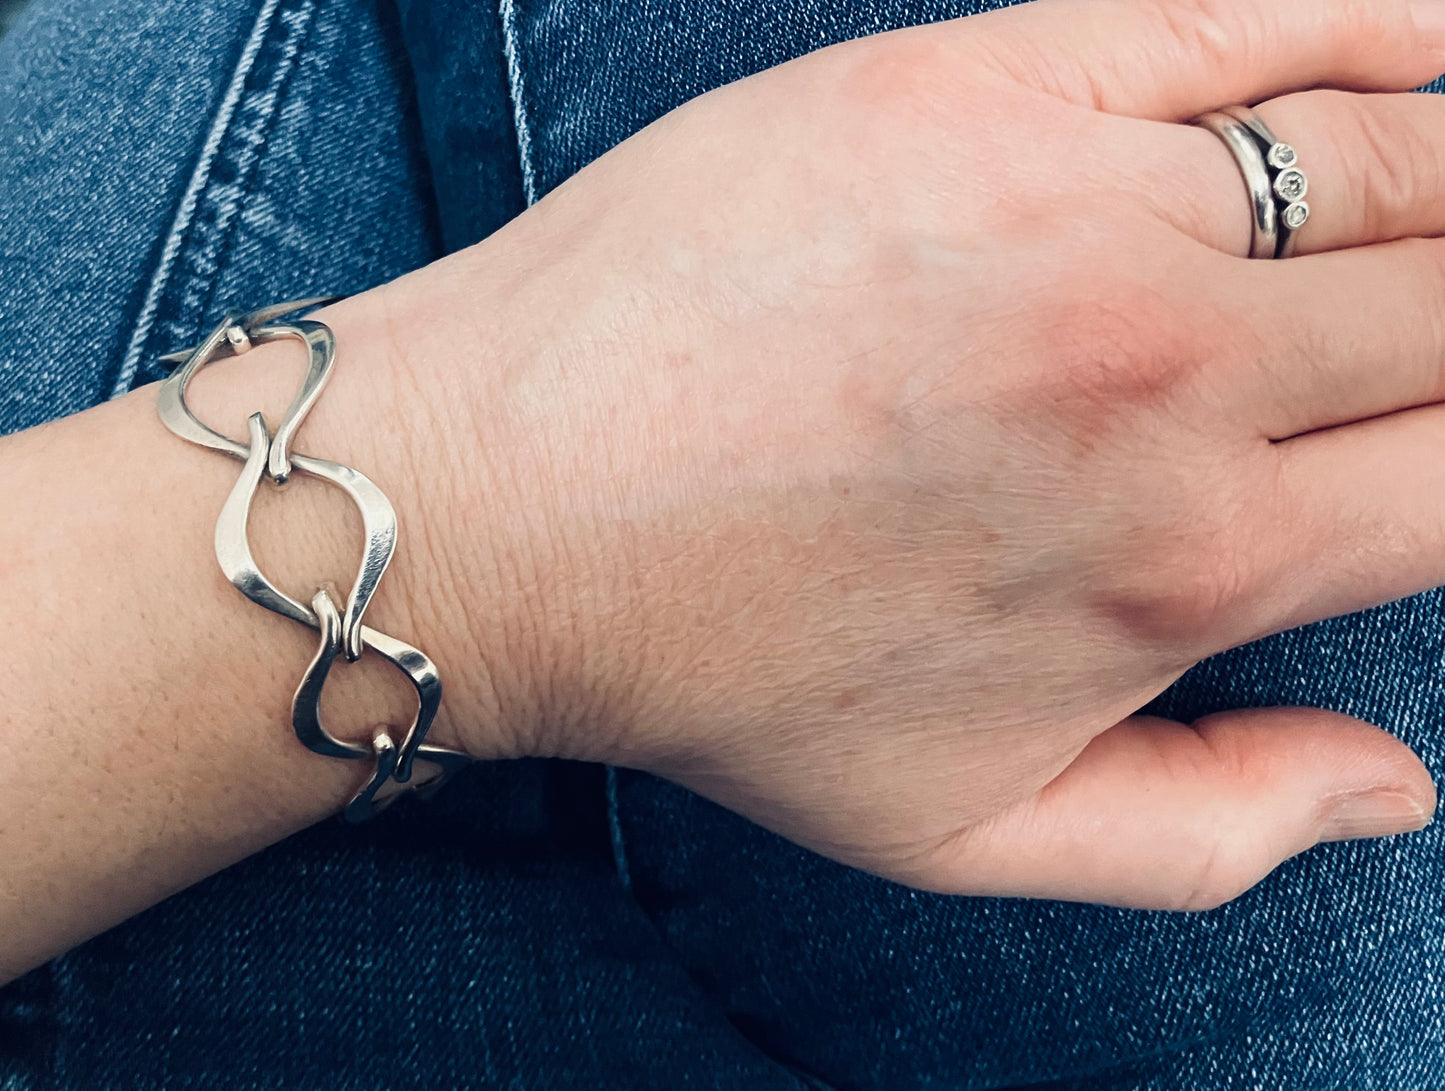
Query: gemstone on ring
(1291,185)
(1281,156)
(1295,215)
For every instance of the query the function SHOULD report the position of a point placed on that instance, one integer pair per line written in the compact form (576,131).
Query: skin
(858,445)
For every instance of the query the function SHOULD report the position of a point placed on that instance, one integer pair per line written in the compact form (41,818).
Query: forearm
(147,702)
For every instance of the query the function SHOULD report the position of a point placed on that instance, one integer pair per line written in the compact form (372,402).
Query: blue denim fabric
(465,116)
(548,924)
(157,162)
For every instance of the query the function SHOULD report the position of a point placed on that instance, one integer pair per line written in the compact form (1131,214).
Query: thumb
(1155,814)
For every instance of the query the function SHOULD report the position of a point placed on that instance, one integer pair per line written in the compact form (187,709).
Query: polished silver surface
(306,705)
(268,455)
(1288,184)
(1264,212)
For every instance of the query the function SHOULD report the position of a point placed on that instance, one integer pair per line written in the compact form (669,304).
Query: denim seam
(614,832)
(62,975)
(793,1067)
(185,212)
(195,273)
(507,14)
(246,164)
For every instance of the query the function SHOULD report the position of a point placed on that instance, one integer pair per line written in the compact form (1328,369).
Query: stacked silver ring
(1277,186)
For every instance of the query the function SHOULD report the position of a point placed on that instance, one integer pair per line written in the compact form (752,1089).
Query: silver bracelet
(269,454)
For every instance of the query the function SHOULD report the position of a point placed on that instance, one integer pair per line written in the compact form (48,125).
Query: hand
(874,435)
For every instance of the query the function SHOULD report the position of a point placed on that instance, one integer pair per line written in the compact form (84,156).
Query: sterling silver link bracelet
(341,631)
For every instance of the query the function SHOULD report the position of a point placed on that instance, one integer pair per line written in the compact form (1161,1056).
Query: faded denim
(544,924)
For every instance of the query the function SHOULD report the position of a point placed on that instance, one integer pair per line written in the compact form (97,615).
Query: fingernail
(1429,18)
(1376,813)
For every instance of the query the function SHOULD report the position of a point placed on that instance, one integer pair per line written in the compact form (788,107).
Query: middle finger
(1333,338)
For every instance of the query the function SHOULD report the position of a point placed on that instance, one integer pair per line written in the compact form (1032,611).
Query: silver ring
(1276,184)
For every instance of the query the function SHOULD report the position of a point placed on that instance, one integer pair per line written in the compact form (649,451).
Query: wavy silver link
(268,454)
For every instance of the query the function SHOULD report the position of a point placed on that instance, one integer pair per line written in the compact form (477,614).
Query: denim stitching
(62,974)
(507,13)
(614,831)
(196,270)
(231,198)
(185,213)
(30,1022)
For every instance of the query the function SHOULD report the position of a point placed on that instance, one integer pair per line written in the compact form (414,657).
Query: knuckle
(1425,261)
(1212,879)
(1029,63)
(1400,162)
(891,74)
(1112,344)
(1422,266)
(1211,30)
(1122,371)
(1227,856)
(1184,583)
(1184,602)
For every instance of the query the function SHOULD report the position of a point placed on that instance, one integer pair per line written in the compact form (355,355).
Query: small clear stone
(1291,185)
(1295,215)
(1282,155)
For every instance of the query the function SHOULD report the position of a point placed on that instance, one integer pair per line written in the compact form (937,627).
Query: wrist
(150,699)
(384,411)
(528,516)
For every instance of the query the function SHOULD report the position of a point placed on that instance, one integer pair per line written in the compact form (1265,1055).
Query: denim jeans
(548,924)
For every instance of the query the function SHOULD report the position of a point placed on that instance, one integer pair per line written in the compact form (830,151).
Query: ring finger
(1375,164)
